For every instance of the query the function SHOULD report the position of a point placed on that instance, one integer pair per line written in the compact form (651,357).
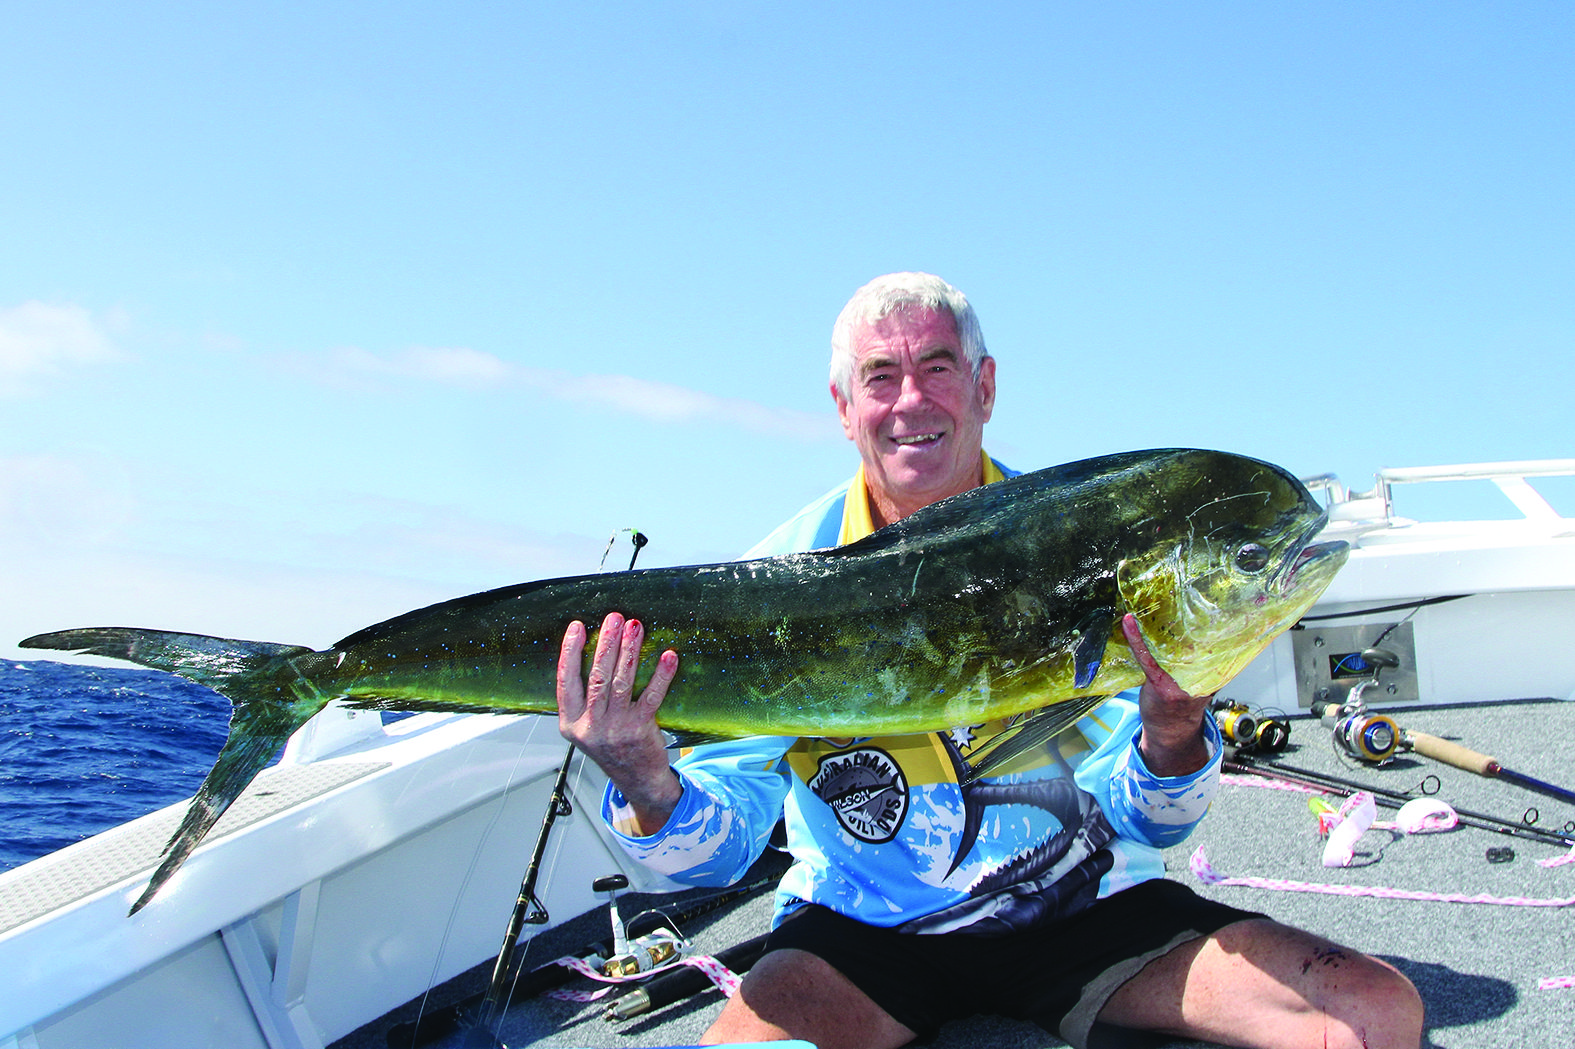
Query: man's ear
(845,407)
(986,386)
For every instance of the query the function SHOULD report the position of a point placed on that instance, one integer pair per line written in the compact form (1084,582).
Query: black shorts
(1058,976)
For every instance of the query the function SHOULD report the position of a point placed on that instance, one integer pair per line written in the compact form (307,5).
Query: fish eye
(1252,558)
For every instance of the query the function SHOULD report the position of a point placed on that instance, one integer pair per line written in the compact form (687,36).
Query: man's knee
(793,994)
(1381,1007)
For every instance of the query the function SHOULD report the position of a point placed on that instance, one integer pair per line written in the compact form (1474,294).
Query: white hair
(886,295)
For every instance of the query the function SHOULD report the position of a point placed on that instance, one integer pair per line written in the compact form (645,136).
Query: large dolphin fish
(1002,600)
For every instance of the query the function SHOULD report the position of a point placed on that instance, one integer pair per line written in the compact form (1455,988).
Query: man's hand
(1172,741)
(601,716)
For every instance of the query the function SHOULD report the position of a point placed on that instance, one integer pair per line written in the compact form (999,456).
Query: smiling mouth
(918,438)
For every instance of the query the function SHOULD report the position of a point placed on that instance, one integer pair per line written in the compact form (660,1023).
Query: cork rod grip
(1452,754)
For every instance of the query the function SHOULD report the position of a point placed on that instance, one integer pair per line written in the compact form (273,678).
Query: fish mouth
(1304,552)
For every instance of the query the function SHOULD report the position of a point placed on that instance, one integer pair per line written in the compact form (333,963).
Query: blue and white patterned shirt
(883,831)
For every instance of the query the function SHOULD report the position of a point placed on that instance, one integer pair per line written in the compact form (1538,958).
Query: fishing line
(494,1012)
(475,861)
(513,953)
(1413,605)
(1206,873)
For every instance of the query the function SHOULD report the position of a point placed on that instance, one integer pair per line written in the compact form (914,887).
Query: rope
(1209,876)
(725,979)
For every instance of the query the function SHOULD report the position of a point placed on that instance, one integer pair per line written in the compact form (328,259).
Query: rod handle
(1452,753)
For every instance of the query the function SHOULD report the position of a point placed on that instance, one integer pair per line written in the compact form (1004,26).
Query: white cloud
(665,402)
(38,340)
(628,394)
(447,366)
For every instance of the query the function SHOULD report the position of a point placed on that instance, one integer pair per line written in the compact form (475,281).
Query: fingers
(1140,651)
(661,679)
(627,659)
(1157,677)
(1172,740)
(571,690)
(601,680)
(607,692)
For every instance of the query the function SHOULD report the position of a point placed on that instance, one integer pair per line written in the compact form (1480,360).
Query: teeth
(922,438)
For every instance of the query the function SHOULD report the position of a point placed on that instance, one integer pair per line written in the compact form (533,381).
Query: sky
(311,314)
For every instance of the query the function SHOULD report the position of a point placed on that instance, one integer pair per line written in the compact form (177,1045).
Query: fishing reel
(1365,736)
(641,954)
(1241,729)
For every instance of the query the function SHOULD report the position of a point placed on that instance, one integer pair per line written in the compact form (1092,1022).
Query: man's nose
(911,394)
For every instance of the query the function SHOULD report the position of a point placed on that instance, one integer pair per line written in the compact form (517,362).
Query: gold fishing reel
(1242,729)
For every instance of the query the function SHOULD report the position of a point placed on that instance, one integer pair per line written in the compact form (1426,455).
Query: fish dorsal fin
(1026,736)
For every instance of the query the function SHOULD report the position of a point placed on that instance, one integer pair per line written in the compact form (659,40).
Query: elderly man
(898,914)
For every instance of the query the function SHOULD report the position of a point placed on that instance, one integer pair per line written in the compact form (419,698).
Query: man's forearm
(1173,752)
(651,797)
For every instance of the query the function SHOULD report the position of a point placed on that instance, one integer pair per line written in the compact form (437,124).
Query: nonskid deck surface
(134,848)
(1477,965)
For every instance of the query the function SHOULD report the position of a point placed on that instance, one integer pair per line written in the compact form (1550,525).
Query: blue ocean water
(83,749)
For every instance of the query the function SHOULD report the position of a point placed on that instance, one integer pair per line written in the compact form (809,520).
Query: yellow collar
(856,520)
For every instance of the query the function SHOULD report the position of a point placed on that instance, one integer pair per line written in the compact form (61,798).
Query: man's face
(915,411)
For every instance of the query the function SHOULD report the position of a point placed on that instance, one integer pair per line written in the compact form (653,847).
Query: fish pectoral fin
(1026,736)
(973,813)
(429,704)
(678,739)
(1089,652)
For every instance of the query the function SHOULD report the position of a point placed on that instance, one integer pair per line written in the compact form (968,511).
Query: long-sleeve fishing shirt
(884,830)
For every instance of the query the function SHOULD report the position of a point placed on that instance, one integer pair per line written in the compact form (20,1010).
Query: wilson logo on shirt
(866,790)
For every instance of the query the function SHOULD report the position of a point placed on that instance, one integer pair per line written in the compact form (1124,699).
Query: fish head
(1234,564)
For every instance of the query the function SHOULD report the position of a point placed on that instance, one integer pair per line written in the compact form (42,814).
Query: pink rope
(1232,780)
(725,979)
(1555,983)
(1209,876)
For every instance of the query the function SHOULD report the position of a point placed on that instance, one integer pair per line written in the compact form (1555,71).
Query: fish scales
(764,649)
(1001,600)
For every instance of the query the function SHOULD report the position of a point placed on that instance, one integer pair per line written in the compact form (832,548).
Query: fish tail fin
(270,694)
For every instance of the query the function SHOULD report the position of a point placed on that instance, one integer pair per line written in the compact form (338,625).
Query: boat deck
(1477,965)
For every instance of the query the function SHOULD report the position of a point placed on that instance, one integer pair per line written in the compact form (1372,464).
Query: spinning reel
(630,957)
(1243,730)
(1365,736)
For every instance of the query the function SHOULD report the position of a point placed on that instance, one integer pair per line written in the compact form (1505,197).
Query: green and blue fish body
(1002,600)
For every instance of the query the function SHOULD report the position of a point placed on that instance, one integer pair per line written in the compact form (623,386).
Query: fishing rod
(1460,757)
(528,910)
(1375,738)
(1393,799)
(438,1024)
